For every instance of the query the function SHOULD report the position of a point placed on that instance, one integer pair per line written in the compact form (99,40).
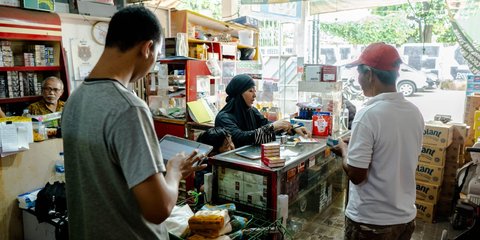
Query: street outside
(433,102)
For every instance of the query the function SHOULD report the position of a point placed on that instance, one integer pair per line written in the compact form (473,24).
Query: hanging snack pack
(322,123)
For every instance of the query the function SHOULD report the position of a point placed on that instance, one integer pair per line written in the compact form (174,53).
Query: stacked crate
(454,160)
(431,162)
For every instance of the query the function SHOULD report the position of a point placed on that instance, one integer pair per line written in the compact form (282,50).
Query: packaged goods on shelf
(473,84)
(3,86)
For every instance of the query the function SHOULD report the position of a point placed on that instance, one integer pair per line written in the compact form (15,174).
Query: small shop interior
(275,42)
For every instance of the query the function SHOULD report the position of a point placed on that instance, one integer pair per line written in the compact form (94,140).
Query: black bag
(51,202)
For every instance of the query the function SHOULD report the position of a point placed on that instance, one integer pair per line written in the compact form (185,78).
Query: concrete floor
(330,225)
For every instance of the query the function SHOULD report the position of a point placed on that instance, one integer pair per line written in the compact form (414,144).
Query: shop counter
(312,177)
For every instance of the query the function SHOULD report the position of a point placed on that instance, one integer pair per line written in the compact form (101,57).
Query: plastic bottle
(344,119)
(60,169)
(26,113)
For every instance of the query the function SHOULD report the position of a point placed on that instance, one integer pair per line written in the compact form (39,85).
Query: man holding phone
(118,186)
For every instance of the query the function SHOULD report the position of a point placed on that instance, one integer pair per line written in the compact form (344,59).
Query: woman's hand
(282,125)
(302,131)
(185,165)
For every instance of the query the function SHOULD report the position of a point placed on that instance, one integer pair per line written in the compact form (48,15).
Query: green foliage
(397,24)
(391,29)
(210,8)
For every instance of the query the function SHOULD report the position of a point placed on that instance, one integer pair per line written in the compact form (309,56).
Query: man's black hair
(132,25)
(214,137)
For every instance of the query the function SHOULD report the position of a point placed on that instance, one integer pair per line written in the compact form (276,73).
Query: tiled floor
(330,225)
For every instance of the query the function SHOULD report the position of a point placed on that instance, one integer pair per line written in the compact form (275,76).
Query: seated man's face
(52,91)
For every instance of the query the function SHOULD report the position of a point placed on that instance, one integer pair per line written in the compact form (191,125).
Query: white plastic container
(246,37)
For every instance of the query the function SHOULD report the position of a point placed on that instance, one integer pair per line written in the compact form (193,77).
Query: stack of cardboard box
(455,159)
(271,155)
(429,176)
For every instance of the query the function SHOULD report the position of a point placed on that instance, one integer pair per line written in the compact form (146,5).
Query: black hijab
(244,114)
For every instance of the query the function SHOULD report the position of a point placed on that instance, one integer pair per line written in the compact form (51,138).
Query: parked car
(409,81)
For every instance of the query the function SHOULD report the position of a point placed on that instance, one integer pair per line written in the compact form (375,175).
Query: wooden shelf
(20,99)
(30,68)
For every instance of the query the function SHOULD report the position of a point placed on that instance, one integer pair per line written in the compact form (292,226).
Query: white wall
(77,31)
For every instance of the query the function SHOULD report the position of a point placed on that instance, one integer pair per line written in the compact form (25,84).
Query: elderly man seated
(52,90)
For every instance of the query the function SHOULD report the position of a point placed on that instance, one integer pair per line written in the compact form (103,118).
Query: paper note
(23,138)
(9,138)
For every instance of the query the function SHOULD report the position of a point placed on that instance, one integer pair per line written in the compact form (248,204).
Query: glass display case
(312,177)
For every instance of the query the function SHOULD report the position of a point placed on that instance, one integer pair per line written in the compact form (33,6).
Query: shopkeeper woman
(244,122)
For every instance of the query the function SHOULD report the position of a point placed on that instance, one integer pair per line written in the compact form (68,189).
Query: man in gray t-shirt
(117,184)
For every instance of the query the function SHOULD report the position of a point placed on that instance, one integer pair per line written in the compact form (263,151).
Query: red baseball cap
(380,56)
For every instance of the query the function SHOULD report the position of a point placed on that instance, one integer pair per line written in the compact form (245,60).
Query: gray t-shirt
(110,146)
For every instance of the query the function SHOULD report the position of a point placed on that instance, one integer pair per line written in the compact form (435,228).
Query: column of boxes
(271,155)
(430,169)
(19,84)
(6,54)
(40,55)
(454,160)
(28,59)
(242,186)
(322,73)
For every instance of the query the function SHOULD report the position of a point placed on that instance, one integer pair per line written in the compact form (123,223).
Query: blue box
(247,21)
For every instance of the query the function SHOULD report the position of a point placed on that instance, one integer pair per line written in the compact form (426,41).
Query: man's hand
(185,165)
(340,149)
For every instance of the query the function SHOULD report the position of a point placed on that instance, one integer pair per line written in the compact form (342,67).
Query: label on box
(427,192)
(329,73)
(255,194)
(432,155)
(425,210)
(313,72)
(439,135)
(229,173)
(429,173)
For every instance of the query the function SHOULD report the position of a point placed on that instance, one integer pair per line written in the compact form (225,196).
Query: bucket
(246,37)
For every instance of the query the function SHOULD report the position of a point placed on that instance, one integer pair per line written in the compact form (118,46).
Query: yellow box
(432,155)
(429,173)
(428,192)
(437,134)
(476,124)
(425,211)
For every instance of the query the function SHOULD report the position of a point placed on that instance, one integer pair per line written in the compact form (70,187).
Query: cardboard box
(432,155)
(330,73)
(437,134)
(313,72)
(425,211)
(472,104)
(428,192)
(429,173)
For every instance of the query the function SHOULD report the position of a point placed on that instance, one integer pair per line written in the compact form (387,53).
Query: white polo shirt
(386,139)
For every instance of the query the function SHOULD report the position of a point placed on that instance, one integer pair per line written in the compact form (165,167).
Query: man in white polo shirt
(382,153)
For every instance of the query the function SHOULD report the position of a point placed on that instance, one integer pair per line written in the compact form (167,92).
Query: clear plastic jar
(39,132)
